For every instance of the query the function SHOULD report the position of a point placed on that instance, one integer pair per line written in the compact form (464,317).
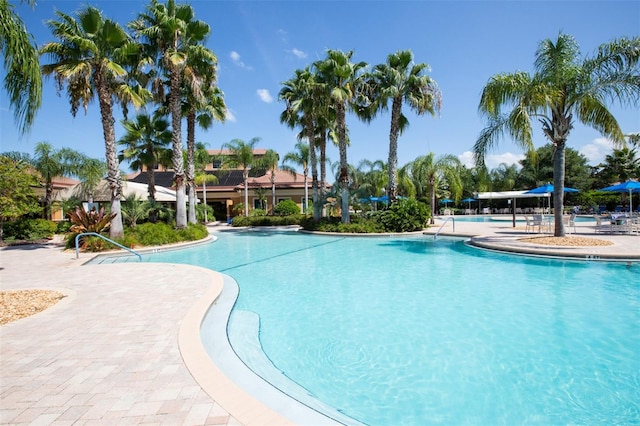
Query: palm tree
(563,89)
(23,80)
(241,156)
(401,81)
(203,110)
(51,163)
(427,171)
(340,79)
(171,35)
(89,56)
(300,96)
(270,162)
(146,144)
(201,159)
(299,157)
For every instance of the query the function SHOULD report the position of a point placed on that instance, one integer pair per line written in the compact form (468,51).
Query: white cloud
(264,95)
(492,160)
(299,53)
(466,158)
(229,116)
(235,58)
(596,150)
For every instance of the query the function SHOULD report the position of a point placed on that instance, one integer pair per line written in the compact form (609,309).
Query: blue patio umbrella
(469,200)
(446,201)
(628,186)
(548,189)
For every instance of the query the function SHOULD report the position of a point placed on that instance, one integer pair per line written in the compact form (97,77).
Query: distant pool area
(398,330)
(505,218)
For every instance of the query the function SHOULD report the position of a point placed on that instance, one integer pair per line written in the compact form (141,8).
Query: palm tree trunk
(306,191)
(396,111)
(323,167)
(273,192)
(204,196)
(191,168)
(116,229)
(151,183)
(432,185)
(313,159)
(176,139)
(343,177)
(558,187)
(245,177)
(48,191)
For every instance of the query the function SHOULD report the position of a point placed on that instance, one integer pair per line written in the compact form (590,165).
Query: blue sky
(259,44)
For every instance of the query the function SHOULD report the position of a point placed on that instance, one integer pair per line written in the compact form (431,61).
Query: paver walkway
(106,354)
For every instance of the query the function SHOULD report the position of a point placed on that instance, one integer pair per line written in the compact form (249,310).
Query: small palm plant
(88,221)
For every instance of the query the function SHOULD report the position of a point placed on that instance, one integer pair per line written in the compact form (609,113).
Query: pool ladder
(443,224)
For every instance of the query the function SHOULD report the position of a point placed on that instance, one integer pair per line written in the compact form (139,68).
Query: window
(217,163)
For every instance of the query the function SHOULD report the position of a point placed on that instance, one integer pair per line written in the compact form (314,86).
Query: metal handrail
(443,224)
(106,239)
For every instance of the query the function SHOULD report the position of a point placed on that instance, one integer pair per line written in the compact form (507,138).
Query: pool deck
(123,346)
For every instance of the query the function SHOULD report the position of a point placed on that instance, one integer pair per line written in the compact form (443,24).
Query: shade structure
(629,186)
(446,201)
(102,193)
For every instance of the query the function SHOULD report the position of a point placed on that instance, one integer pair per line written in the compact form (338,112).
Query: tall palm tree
(203,110)
(427,171)
(564,89)
(300,96)
(241,156)
(89,56)
(171,34)
(401,81)
(23,80)
(340,79)
(146,144)
(299,157)
(201,159)
(270,162)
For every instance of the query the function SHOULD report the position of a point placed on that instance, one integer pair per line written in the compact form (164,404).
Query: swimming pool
(412,331)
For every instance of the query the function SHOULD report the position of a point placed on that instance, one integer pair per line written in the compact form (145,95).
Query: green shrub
(404,216)
(267,220)
(358,225)
(286,208)
(192,232)
(200,208)
(29,229)
(151,234)
(257,212)
(63,226)
(155,234)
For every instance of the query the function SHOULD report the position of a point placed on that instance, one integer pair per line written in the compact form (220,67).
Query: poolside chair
(569,221)
(532,222)
(602,227)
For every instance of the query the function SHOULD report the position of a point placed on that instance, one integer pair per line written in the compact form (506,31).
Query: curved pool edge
(238,394)
(238,403)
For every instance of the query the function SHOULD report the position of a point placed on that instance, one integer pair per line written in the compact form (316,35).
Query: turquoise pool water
(411,331)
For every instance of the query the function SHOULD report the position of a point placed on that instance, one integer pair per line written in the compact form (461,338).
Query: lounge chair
(532,222)
(569,221)
(602,227)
